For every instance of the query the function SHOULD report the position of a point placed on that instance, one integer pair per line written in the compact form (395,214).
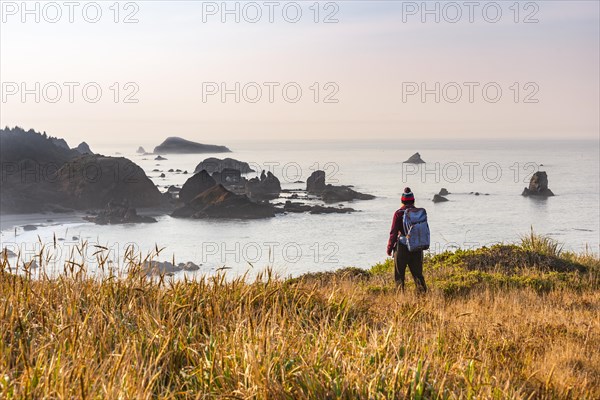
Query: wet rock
(444,192)
(538,186)
(162,175)
(159,158)
(28,228)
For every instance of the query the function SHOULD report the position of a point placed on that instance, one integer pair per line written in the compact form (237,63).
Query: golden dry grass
(343,335)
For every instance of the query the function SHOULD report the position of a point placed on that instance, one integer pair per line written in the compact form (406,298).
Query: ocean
(293,244)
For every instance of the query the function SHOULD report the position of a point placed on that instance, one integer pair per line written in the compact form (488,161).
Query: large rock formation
(40,174)
(140,150)
(30,161)
(538,186)
(315,184)
(91,181)
(415,159)
(195,185)
(218,202)
(177,145)
(119,213)
(213,164)
(264,188)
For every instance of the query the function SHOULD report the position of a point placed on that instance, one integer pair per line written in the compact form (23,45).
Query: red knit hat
(407,196)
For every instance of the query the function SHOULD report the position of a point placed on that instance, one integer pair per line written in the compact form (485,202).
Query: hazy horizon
(372,57)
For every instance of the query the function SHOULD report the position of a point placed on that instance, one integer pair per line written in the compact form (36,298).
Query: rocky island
(177,145)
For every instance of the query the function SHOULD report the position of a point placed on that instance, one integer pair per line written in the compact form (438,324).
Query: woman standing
(397,244)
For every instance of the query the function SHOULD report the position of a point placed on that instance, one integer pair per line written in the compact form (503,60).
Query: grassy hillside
(503,322)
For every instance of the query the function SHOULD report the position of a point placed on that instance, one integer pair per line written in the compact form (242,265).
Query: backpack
(416,229)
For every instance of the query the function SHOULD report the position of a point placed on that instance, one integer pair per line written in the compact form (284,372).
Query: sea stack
(415,159)
(538,186)
(439,199)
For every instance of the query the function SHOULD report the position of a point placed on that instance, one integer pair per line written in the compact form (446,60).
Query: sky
(141,71)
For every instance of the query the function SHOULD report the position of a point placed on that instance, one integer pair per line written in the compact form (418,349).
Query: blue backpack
(416,228)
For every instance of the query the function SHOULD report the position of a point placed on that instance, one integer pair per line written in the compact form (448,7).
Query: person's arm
(396,222)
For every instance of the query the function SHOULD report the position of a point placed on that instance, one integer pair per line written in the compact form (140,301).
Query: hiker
(398,244)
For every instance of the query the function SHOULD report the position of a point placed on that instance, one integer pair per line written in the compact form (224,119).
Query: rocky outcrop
(83,148)
(444,192)
(213,164)
(264,188)
(315,184)
(439,199)
(141,150)
(177,145)
(538,186)
(30,161)
(119,213)
(415,159)
(218,202)
(294,207)
(92,181)
(195,185)
(336,194)
(159,158)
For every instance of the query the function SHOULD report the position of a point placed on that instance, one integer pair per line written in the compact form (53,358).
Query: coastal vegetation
(508,321)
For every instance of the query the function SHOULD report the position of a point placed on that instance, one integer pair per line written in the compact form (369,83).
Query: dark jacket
(397,227)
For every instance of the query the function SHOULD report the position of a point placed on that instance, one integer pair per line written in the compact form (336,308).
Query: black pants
(414,261)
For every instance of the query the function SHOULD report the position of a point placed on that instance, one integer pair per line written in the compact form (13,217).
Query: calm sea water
(297,243)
